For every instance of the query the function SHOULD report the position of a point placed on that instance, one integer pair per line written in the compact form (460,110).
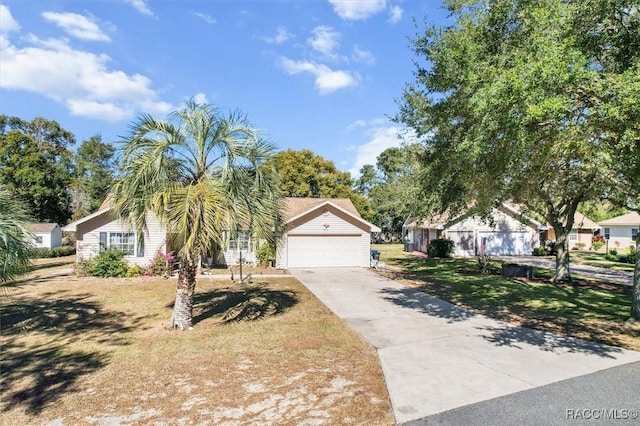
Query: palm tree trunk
(182,316)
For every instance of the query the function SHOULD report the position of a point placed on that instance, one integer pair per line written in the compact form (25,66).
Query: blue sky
(317,74)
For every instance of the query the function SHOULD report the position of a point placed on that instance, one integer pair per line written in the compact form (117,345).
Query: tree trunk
(562,273)
(182,315)
(635,293)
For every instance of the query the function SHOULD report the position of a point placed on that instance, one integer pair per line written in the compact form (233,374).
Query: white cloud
(205,17)
(98,110)
(380,136)
(361,55)
(354,10)
(80,80)
(327,80)
(200,98)
(77,26)
(325,40)
(7,23)
(281,36)
(141,6)
(395,14)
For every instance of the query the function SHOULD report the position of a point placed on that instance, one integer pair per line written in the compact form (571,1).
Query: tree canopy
(508,101)
(36,166)
(94,175)
(391,189)
(201,172)
(305,174)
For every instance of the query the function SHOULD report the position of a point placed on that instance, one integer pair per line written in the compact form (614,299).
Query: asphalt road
(607,397)
(611,275)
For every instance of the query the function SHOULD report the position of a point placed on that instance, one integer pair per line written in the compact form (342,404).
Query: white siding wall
(366,250)
(620,237)
(56,237)
(329,222)
(88,237)
(46,239)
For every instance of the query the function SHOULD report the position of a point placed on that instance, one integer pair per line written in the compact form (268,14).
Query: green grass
(588,309)
(593,258)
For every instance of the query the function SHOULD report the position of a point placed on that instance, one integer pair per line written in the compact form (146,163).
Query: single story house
(317,233)
(621,231)
(582,231)
(505,231)
(47,235)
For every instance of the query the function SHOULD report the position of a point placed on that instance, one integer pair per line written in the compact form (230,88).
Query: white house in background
(621,231)
(318,233)
(323,232)
(47,235)
(505,232)
(582,231)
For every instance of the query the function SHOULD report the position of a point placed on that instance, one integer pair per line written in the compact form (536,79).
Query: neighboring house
(325,232)
(582,231)
(621,231)
(505,232)
(48,235)
(317,232)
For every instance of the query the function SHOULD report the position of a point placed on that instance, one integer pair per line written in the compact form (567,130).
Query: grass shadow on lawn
(48,343)
(242,303)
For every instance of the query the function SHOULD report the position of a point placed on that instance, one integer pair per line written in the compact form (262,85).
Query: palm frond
(15,237)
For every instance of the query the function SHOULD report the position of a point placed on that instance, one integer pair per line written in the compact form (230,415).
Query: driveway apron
(436,357)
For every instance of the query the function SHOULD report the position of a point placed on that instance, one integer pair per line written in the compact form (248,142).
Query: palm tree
(15,237)
(201,173)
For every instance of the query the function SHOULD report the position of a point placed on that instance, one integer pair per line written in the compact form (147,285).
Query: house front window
(239,241)
(38,239)
(573,236)
(634,234)
(607,233)
(123,241)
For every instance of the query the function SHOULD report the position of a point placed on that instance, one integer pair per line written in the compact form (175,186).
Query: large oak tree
(36,166)
(506,100)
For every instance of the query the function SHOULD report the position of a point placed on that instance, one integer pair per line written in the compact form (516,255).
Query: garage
(323,233)
(505,243)
(321,251)
(464,242)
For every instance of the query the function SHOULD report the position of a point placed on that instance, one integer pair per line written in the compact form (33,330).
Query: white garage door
(506,243)
(324,251)
(464,242)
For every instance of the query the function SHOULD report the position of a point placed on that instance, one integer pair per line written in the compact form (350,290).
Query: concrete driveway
(436,357)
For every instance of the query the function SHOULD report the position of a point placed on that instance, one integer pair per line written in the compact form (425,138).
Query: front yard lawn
(95,351)
(588,309)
